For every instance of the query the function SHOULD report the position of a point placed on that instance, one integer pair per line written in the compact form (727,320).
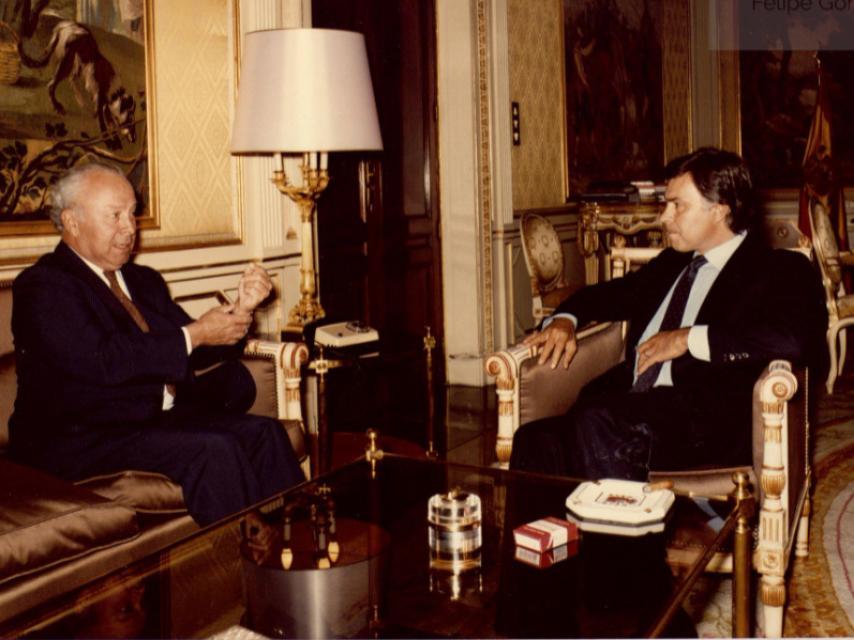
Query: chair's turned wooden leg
(832,336)
(803,538)
(498,366)
(504,440)
(772,592)
(843,344)
(770,557)
(741,558)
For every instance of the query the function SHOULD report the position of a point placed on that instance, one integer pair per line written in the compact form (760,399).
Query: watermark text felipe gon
(801,6)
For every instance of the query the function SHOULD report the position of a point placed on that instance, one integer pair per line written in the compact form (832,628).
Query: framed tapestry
(74,76)
(627,88)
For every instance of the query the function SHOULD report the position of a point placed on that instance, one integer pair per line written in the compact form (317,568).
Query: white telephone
(345,334)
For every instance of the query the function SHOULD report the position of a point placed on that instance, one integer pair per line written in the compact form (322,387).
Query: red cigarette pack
(548,558)
(544,534)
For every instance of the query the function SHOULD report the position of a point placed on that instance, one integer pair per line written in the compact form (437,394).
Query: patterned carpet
(821,586)
(820,596)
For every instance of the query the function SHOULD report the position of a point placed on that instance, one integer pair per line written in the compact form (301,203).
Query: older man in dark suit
(705,317)
(107,364)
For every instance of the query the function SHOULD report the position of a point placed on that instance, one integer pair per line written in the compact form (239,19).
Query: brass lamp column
(314,181)
(308,92)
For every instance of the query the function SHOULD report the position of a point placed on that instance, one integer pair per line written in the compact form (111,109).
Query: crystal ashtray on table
(622,507)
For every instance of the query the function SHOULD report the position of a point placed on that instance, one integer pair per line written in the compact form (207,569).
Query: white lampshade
(305,90)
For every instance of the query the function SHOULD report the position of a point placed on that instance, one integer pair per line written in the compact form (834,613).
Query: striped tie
(127,303)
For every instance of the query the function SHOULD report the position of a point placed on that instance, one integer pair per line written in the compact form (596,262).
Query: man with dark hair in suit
(705,317)
(108,364)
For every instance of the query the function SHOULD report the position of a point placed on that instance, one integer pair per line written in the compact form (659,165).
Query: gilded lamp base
(303,313)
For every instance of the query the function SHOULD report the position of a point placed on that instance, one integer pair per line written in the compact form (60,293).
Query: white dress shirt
(698,336)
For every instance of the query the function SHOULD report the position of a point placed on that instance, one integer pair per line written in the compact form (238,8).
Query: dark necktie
(127,303)
(672,318)
(134,312)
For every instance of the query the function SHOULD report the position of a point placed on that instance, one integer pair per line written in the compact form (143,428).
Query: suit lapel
(730,281)
(72,263)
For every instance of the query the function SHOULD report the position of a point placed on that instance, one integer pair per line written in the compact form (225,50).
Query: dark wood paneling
(379,243)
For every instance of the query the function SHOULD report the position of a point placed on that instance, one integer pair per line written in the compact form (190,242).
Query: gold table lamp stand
(314,181)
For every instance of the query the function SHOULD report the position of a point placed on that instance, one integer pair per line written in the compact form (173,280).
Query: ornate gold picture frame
(628,89)
(78,85)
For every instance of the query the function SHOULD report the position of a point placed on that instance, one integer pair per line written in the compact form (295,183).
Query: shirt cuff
(548,321)
(187,341)
(698,342)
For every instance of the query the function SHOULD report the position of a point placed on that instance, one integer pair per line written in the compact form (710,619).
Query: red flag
(820,180)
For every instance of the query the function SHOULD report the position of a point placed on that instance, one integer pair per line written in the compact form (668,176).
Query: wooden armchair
(780,469)
(545,262)
(840,305)
(276,369)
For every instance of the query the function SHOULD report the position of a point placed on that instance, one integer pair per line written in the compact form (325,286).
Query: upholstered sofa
(55,535)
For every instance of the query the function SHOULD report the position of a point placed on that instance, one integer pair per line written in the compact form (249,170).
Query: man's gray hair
(63,192)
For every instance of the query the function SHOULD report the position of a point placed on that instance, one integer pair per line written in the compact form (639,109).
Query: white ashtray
(623,507)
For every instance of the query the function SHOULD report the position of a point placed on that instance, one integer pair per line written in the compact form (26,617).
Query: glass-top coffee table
(350,555)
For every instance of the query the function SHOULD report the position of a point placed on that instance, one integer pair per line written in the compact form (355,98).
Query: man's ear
(721,212)
(69,222)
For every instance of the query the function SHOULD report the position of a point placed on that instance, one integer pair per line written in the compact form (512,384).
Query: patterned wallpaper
(535,33)
(676,78)
(194,93)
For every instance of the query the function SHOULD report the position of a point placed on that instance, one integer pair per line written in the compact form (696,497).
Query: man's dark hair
(721,177)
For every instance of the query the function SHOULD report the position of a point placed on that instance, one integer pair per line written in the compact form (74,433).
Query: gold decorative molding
(195,83)
(485,174)
(773,594)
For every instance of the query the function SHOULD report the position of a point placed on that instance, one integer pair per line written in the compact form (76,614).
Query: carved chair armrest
(286,360)
(774,423)
(527,391)
(275,367)
(784,479)
(782,462)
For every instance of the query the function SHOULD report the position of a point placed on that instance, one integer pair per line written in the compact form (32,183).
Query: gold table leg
(741,557)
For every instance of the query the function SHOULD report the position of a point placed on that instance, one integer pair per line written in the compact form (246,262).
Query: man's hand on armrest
(557,340)
(223,325)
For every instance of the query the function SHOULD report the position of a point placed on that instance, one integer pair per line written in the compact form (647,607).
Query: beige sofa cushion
(45,521)
(143,491)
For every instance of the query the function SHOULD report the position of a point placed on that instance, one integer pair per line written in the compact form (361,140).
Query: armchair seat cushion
(46,521)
